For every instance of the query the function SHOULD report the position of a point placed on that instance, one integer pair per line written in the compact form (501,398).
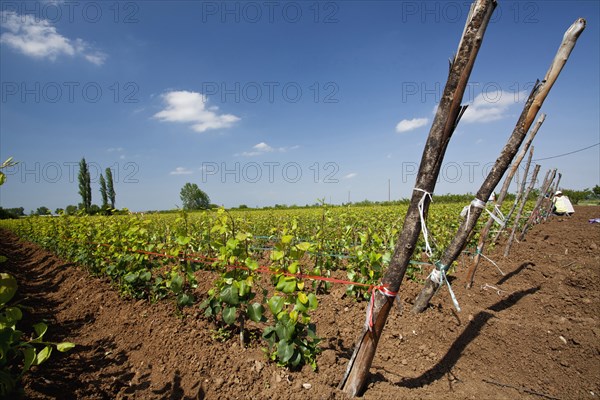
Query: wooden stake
(559,61)
(536,169)
(447,116)
(538,204)
(511,173)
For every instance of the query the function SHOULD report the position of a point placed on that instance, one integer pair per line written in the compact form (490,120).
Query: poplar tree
(103,192)
(110,188)
(85,187)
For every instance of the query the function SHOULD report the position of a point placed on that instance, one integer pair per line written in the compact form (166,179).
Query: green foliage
(577,196)
(85,187)
(11,213)
(157,256)
(110,187)
(193,198)
(43,211)
(19,351)
(103,192)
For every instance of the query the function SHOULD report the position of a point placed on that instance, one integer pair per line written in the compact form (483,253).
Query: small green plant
(292,339)
(18,351)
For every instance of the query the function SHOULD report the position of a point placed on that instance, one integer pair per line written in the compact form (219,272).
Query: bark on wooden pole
(509,242)
(447,116)
(511,173)
(559,61)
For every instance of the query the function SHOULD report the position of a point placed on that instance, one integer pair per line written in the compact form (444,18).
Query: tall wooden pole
(447,116)
(559,61)
(509,242)
(511,174)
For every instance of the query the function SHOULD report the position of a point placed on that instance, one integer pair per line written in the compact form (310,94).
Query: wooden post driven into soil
(446,118)
(559,61)
(475,209)
(538,204)
(511,174)
(509,242)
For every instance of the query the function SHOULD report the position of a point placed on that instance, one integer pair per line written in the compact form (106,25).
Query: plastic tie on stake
(466,211)
(384,291)
(438,276)
(421,207)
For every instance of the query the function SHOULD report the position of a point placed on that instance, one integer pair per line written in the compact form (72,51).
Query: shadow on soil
(445,365)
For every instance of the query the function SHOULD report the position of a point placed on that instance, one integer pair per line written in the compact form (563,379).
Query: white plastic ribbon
(438,276)
(466,211)
(421,207)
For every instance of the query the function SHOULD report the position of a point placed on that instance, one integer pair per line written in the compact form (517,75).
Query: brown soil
(535,334)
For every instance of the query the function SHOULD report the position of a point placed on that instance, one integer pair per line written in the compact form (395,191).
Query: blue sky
(277,102)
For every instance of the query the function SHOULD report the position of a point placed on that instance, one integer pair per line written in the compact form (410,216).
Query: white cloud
(263,148)
(180,171)
(491,106)
(350,175)
(38,38)
(190,107)
(410,124)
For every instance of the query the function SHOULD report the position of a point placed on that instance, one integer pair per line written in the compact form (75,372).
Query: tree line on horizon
(193,198)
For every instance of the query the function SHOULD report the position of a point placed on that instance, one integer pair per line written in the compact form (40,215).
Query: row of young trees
(107,188)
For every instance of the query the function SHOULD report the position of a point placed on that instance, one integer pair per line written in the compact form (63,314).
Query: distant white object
(492,197)
(568,205)
(561,204)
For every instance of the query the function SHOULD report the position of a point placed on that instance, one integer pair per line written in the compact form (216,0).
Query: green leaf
(145,276)
(285,239)
(229,315)
(8,287)
(285,351)
(131,277)
(65,346)
(184,299)
(183,240)
(277,255)
(293,268)
(176,284)
(286,284)
(29,357)
(244,288)
(275,304)
(13,314)
(229,295)
(43,355)
(40,329)
(302,298)
(295,359)
(285,328)
(304,246)
(313,302)
(255,312)
(251,264)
